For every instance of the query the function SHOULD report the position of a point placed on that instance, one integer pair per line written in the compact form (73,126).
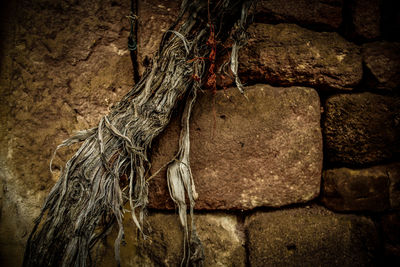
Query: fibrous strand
(112,165)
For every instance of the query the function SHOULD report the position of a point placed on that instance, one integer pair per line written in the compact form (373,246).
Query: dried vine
(111,166)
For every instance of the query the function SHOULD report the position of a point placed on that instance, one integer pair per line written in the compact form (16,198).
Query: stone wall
(307,172)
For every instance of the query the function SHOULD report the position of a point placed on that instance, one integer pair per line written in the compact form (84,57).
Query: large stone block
(310,237)
(319,14)
(382,60)
(286,54)
(371,189)
(221,235)
(266,151)
(361,128)
(64,63)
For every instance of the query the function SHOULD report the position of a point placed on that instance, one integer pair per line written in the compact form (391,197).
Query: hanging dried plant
(112,165)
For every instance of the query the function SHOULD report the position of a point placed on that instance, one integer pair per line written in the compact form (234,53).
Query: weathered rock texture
(365,18)
(286,54)
(321,14)
(154,18)
(371,189)
(221,235)
(310,237)
(361,128)
(245,154)
(64,63)
(382,59)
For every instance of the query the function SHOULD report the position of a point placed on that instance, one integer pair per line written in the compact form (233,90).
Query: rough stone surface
(372,189)
(320,14)
(365,19)
(361,128)
(391,237)
(263,152)
(221,235)
(310,237)
(286,54)
(155,17)
(382,59)
(63,64)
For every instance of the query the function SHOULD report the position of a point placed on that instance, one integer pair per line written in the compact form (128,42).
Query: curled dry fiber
(112,165)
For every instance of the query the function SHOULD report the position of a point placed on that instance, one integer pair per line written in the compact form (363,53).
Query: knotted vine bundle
(112,165)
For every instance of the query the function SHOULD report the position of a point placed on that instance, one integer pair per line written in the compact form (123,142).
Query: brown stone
(286,54)
(310,236)
(263,152)
(63,64)
(382,60)
(365,19)
(321,14)
(155,18)
(361,128)
(220,234)
(370,189)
